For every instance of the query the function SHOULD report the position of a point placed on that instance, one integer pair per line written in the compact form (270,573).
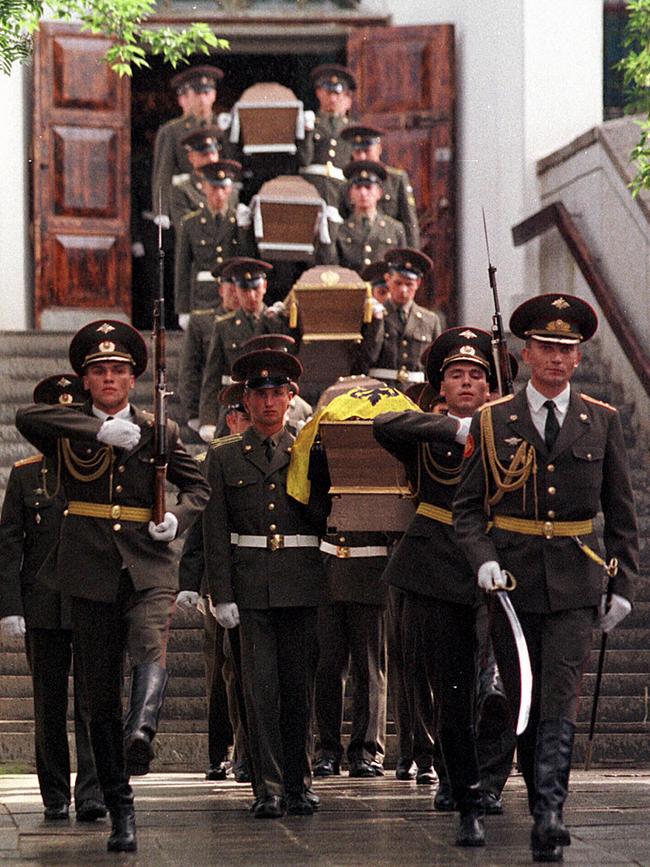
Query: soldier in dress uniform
(112,559)
(231,331)
(540,465)
(368,233)
(397,198)
(207,238)
(187,192)
(323,154)
(264,573)
(196,88)
(29,529)
(392,343)
(226,710)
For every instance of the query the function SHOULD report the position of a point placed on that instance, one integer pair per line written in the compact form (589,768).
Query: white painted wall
(16,291)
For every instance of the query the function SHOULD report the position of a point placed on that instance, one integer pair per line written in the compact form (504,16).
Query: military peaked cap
(411,263)
(266,368)
(62,388)
(199,78)
(361,136)
(333,76)
(223,173)
(108,340)
(245,273)
(361,172)
(554,318)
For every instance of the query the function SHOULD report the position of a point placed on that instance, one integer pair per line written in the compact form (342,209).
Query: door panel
(406,86)
(80,178)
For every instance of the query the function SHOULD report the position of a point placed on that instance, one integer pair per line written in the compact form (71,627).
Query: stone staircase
(623,726)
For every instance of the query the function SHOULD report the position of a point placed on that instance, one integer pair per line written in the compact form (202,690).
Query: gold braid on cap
(506,479)
(86,470)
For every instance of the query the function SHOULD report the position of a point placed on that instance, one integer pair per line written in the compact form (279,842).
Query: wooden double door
(82,156)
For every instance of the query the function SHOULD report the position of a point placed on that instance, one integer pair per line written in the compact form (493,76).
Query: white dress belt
(344,551)
(327,170)
(274,542)
(401,375)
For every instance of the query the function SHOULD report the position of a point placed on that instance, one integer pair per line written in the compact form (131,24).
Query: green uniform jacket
(249,496)
(203,242)
(230,331)
(29,530)
(388,345)
(356,245)
(323,145)
(93,551)
(585,472)
(397,202)
(428,559)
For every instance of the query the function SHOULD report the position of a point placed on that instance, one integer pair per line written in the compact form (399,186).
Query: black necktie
(269,447)
(552,426)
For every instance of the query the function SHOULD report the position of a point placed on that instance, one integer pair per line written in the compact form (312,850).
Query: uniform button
(331,153)
(405,355)
(341,539)
(333,142)
(119,489)
(65,513)
(551,468)
(273,527)
(203,220)
(219,248)
(271,486)
(388,241)
(219,260)
(271,506)
(367,261)
(551,490)
(448,454)
(240,481)
(551,514)
(405,343)
(203,242)
(117,527)
(588,456)
(387,197)
(121,468)
(367,248)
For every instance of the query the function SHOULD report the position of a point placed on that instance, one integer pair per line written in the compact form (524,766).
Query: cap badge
(248,276)
(105,328)
(558,325)
(408,264)
(560,303)
(467,350)
(65,398)
(334,79)
(264,373)
(364,174)
(221,173)
(107,346)
(467,334)
(63,382)
(330,278)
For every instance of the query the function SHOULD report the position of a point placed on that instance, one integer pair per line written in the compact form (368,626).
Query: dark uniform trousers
(194,356)
(558,587)
(114,609)
(29,529)
(277,592)
(352,639)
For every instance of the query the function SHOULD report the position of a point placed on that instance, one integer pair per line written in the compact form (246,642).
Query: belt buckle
(548,529)
(116,512)
(342,551)
(328,169)
(403,375)
(275,542)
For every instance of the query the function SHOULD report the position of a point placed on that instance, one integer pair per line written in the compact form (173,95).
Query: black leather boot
(459,752)
(552,767)
(122,837)
(148,685)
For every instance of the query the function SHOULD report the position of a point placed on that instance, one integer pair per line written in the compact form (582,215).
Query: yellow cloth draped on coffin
(363,403)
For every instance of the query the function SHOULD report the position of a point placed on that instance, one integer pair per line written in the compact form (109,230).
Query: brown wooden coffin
(289,207)
(331,301)
(267,118)
(368,485)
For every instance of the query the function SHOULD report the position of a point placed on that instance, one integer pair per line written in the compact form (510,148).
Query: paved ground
(182,820)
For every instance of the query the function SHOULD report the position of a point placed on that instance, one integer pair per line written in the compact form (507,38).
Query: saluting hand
(120,433)
(166,530)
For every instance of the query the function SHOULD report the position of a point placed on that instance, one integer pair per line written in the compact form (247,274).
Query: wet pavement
(183,820)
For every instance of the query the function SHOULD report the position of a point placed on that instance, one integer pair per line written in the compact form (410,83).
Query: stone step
(619,684)
(618,709)
(20,686)
(35,344)
(622,661)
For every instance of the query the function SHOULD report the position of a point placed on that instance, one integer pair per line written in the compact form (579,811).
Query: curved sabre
(525,671)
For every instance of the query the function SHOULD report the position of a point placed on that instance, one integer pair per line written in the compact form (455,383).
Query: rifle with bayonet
(160,384)
(499,345)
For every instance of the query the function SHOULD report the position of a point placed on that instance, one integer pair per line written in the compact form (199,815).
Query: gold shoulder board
(223,441)
(32,459)
(190,214)
(590,399)
(499,400)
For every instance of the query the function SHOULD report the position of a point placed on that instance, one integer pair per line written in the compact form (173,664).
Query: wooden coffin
(368,485)
(289,207)
(267,118)
(331,301)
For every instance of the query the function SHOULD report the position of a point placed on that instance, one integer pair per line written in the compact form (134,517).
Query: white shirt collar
(123,413)
(536,399)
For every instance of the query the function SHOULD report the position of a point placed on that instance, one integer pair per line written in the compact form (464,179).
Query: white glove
(277,309)
(193,423)
(12,627)
(310,120)
(137,249)
(120,433)
(244,217)
(378,309)
(463,429)
(187,599)
(166,530)
(163,221)
(609,617)
(224,120)
(227,614)
(184,320)
(491,577)
(207,432)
